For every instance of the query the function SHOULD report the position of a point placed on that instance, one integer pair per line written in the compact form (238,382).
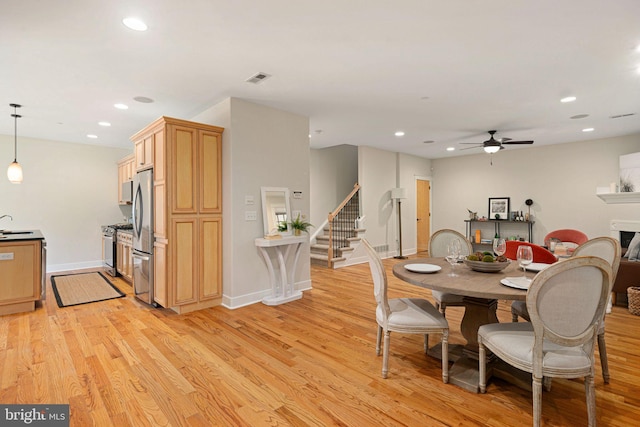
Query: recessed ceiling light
(588,130)
(92,136)
(105,124)
(451,149)
(579,116)
(428,141)
(399,133)
(121,106)
(568,99)
(143,99)
(134,24)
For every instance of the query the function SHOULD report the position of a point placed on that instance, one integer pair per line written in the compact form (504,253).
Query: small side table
(282,284)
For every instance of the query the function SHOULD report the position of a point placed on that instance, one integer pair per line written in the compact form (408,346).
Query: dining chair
(540,254)
(608,249)
(559,340)
(406,315)
(438,248)
(566,235)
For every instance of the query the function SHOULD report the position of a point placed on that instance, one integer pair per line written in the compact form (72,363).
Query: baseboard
(54,268)
(256,297)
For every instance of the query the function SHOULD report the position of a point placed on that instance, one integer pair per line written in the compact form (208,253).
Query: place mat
(83,288)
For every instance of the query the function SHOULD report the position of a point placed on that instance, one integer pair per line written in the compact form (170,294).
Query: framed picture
(499,207)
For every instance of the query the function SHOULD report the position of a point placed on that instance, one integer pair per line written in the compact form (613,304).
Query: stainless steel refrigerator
(143,236)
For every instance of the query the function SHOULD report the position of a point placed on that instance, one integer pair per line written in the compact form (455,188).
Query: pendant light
(14,173)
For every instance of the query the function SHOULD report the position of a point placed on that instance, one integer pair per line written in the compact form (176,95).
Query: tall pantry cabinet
(186,158)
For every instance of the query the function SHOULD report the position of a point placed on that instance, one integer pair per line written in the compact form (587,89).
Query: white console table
(282,284)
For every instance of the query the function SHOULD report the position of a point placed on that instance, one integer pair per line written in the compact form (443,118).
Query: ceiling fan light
(491,149)
(14,173)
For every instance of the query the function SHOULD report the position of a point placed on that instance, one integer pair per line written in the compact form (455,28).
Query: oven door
(108,254)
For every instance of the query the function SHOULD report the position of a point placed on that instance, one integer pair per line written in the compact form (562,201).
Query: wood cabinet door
(210,258)
(160,289)
(210,172)
(183,169)
(144,153)
(20,271)
(184,260)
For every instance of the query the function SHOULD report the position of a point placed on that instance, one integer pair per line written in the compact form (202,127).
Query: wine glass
(525,257)
(499,246)
(453,254)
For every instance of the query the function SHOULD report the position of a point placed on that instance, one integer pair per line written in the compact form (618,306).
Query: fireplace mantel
(612,198)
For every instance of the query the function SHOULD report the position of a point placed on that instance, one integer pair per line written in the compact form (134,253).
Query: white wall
(560,179)
(333,173)
(379,172)
(69,192)
(262,147)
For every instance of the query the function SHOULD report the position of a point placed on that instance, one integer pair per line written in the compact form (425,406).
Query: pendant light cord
(16,116)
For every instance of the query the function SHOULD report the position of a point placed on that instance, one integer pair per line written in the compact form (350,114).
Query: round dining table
(481,292)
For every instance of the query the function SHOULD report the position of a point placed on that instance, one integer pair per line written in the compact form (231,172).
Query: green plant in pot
(299,225)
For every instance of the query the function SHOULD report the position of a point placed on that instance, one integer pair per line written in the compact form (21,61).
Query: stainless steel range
(109,246)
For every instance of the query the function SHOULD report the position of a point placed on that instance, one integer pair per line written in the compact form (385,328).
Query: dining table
(481,292)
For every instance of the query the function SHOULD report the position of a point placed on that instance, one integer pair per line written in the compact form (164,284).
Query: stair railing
(342,222)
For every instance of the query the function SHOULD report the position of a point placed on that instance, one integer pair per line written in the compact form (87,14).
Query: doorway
(423,214)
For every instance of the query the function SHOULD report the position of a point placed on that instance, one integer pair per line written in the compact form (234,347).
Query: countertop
(19,235)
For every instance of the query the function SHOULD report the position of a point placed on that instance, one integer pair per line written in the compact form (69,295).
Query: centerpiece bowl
(486,267)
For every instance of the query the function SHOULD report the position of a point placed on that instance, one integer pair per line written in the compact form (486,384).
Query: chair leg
(482,363)
(378,340)
(426,343)
(604,362)
(546,382)
(514,316)
(442,307)
(589,388)
(445,356)
(385,355)
(536,387)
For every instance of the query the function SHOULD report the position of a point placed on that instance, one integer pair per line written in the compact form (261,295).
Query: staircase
(340,235)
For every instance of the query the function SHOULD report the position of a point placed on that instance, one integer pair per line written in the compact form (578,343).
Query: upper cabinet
(144,152)
(126,171)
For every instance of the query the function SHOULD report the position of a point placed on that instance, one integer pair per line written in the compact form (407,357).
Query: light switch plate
(248,200)
(250,216)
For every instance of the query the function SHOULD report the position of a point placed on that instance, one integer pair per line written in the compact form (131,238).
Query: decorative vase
(296,232)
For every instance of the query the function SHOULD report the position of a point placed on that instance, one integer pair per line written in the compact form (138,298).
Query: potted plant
(299,225)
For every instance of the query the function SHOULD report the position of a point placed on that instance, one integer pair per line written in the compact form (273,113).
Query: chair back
(540,254)
(566,303)
(566,235)
(606,248)
(379,277)
(440,240)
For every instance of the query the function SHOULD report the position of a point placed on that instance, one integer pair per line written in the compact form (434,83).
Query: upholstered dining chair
(438,248)
(540,254)
(566,235)
(608,249)
(405,315)
(559,341)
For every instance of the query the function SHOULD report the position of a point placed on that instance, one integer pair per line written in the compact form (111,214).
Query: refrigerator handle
(143,258)
(137,216)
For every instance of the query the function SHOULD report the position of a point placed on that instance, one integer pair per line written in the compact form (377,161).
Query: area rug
(83,288)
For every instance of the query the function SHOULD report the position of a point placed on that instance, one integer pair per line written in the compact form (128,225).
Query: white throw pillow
(633,251)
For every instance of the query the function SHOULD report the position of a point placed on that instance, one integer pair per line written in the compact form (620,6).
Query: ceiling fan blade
(517,142)
(468,148)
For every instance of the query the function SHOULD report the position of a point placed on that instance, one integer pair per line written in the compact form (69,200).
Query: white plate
(516,282)
(423,268)
(537,266)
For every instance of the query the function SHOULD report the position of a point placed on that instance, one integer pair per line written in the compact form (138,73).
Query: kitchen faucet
(10,217)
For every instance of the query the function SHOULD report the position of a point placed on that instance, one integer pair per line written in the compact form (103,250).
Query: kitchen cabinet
(187,166)
(126,171)
(143,150)
(124,252)
(21,275)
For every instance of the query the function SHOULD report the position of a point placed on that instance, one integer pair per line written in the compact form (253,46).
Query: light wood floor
(309,362)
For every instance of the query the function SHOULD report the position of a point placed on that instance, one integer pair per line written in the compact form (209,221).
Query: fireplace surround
(629,271)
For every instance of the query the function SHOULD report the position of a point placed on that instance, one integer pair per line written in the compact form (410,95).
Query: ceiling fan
(493,145)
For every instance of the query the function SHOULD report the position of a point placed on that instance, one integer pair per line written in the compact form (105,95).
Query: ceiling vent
(257,78)
(617,116)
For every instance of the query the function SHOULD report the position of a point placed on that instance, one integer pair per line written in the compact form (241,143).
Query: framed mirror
(276,210)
